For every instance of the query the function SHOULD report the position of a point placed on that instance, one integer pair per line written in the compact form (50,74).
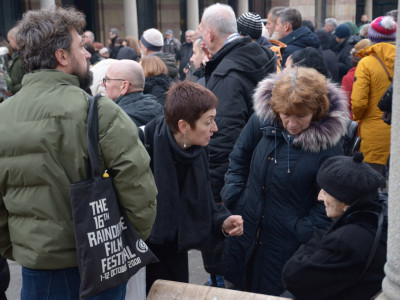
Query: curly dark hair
(42,32)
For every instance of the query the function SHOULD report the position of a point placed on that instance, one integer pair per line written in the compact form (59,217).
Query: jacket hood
(386,51)
(302,37)
(320,134)
(244,56)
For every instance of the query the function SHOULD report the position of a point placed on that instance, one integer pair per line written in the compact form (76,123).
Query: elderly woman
(346,261)
(187,215)
(298,123)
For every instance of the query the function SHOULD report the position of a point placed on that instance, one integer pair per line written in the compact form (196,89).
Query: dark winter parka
(298,39)
(271,181)
(141,108)
(329,266)
(342,52)
(157,86)
(232,74)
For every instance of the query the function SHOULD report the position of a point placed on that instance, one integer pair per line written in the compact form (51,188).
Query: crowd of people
(230,142)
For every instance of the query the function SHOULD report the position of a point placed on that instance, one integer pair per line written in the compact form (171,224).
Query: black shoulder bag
(109,249)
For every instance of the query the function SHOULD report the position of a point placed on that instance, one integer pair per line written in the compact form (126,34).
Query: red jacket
(347,86)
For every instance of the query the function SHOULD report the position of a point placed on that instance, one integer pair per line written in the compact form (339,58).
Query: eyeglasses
(105,79)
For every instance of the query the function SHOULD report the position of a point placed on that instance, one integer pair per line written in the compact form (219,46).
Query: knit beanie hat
(347,178)
(152,39)
(342,31)
(382,29)
(250,24)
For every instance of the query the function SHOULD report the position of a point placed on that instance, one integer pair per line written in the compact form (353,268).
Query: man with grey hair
(124,83)
(290,31)
(43,138)
(151,43)
(88,37)
(272,17)
(235,67)
(330,26)
(113,37)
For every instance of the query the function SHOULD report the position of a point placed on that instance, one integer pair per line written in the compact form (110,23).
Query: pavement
(197,274)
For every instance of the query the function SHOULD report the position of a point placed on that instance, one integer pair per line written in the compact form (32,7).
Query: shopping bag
(109,249)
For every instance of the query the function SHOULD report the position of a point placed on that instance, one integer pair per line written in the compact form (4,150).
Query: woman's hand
(233,225)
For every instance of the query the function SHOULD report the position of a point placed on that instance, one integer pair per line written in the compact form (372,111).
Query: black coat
(331,62)
(328,266)
(140,108)
(231,75)
(298,39)
(184,56)
(342,52)
(186,210)
(157,86)
(271,181)
(170,61)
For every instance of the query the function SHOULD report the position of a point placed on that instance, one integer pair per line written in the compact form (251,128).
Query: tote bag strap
(93,138)
(384,67)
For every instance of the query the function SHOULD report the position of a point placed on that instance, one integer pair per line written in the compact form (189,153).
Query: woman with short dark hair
(187,215)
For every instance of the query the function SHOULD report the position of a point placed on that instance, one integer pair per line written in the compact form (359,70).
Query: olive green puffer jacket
(43,138)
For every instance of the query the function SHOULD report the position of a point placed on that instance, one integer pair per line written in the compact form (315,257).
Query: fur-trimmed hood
(321,134)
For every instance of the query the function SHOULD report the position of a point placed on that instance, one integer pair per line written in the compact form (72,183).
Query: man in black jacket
(346,42)
(235,67)
(184,54)
(290,32)
(124,83)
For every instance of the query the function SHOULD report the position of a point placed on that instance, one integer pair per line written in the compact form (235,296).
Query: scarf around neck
(183,212)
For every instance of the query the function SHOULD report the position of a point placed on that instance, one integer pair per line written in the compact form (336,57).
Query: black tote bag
(109,249)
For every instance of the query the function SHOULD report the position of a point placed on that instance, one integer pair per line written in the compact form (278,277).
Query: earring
(184,141)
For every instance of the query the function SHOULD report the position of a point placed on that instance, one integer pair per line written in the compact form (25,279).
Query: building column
(192,14)
(130,18)
(391,283)
(243,6)
(368,9)
(47,3)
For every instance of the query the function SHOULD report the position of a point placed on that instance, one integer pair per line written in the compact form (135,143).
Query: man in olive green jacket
(43,138)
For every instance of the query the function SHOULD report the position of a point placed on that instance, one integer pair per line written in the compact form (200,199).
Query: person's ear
(211,34)
(287,26)
(183,126)
(62,57)
(124,87)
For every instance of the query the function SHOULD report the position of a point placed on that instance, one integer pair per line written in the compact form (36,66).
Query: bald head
(124,69)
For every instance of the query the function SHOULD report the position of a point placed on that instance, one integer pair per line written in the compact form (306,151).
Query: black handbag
(109,249)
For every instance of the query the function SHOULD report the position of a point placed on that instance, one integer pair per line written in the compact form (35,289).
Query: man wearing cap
(151,43)
(171,44)
(345,42)
(342,262)
(373,76)
(249,24)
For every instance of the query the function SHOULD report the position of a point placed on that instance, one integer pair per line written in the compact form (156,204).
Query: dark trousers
(61,284)
(4,278)
(173,264)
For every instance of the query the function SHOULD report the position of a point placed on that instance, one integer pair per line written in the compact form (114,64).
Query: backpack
(278,48)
